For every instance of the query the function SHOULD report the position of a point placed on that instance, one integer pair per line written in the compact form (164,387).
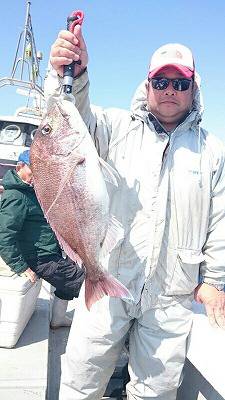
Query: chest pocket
(185,274)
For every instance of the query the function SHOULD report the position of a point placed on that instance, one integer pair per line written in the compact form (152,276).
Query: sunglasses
(180,84)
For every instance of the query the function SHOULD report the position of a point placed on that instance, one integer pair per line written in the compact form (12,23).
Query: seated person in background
(28,245)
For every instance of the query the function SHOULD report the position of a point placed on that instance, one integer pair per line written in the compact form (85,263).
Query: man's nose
(170,91)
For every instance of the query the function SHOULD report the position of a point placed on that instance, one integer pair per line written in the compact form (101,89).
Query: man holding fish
(161,233)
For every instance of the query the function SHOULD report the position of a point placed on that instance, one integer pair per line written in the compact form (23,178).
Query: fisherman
(171,203)
(29,246)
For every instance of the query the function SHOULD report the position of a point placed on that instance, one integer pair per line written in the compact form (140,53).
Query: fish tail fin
(107,285)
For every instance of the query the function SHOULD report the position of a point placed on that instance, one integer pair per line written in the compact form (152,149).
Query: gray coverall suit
(171,205)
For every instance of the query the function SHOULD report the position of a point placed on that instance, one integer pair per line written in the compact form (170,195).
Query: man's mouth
(168,102)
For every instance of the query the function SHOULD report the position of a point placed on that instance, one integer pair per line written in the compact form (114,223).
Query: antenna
(26,65)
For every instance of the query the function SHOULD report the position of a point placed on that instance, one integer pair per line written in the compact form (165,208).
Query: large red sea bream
(69,179)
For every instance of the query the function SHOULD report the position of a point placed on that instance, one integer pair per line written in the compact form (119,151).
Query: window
(10,133)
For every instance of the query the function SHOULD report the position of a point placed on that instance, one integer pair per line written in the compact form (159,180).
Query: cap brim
(24,161)
(186,72)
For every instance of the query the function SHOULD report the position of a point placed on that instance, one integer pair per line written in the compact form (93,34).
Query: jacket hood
(140,109)
(12,181)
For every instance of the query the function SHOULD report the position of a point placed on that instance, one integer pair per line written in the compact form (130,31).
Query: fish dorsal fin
(114,234)
(109,173)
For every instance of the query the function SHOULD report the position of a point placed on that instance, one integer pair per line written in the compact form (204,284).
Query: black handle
(68,70)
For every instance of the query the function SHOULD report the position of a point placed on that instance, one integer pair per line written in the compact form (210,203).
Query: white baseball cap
(173,54)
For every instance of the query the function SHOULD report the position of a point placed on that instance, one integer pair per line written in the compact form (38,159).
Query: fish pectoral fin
(109,173)
(114,234)
(78,159)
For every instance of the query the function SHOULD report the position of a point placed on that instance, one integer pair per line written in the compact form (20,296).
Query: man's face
(169,105)
(24,172)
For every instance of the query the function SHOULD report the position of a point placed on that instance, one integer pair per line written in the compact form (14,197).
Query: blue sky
(121,35)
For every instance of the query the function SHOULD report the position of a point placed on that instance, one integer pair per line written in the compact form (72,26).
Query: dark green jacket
(25,235)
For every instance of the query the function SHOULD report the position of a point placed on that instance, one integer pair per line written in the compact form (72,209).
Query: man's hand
(31,275)
(214,301)
(69,47)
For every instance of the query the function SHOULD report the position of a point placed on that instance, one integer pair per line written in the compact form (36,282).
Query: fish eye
(46,129)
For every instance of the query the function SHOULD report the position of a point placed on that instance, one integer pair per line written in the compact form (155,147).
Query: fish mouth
(59,141)
(60,103)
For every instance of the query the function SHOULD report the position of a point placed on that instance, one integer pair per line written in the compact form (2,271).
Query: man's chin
(169,109)
(170,114)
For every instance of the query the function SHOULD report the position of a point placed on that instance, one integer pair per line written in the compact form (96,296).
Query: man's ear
(19,165)
(194,87)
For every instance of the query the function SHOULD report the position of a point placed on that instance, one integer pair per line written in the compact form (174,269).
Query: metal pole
(25,36)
